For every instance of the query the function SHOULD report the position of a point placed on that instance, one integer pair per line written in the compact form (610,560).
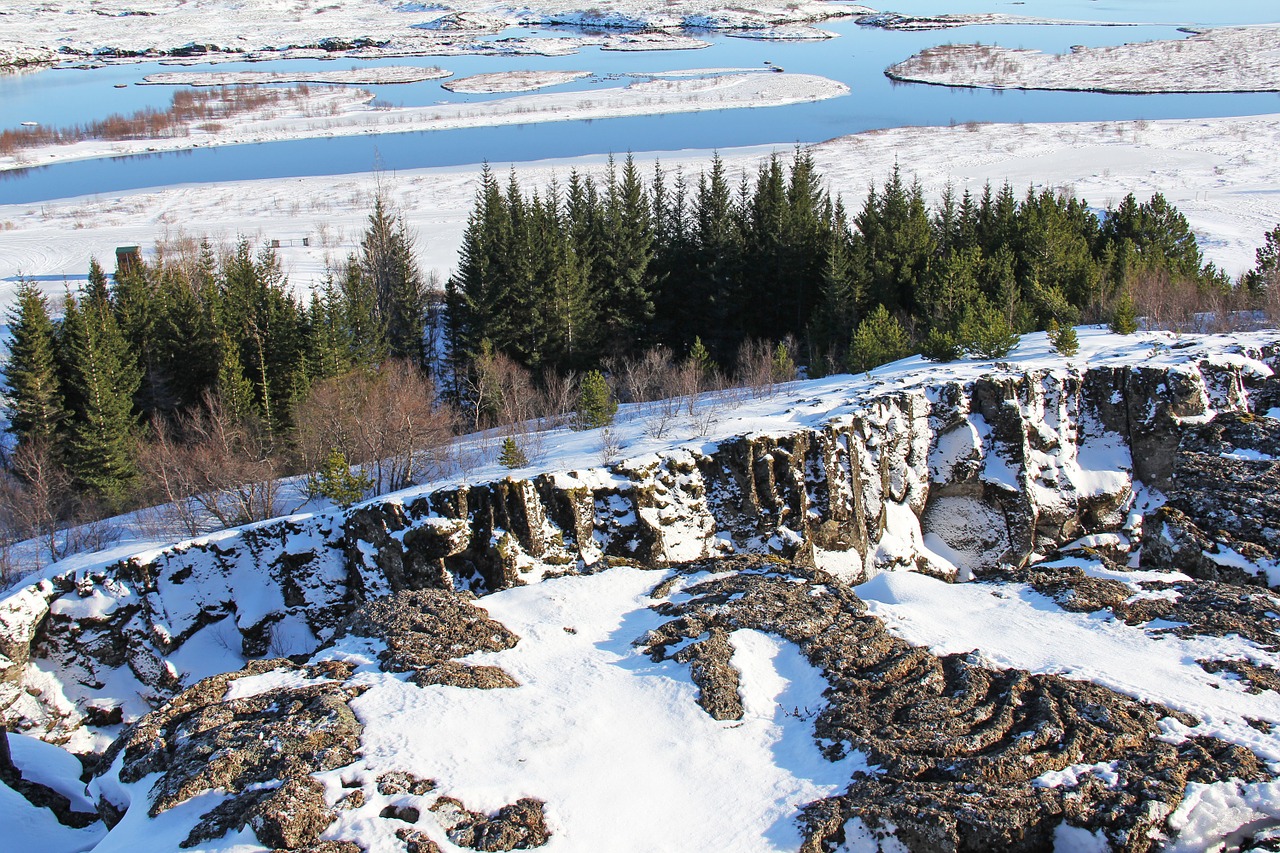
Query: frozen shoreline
(339,112)
(1216,171)
(1237,59)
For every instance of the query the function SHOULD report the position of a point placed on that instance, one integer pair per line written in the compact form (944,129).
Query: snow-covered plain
(342,112)
(1218,172)
(1224,60)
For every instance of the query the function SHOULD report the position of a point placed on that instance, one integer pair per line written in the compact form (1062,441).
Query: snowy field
(1218,172)
(342,112)
(1226,60)
(512,81)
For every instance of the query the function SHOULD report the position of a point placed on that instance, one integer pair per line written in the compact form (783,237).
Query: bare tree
(385,420)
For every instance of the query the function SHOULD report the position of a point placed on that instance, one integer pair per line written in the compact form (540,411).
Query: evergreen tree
(1124,318)
(626,292)
(986,332)
(596,406)
(105,376)
(335,481)
(1062,339)
(879,339)
(512,456)
(36,406)
(387,260)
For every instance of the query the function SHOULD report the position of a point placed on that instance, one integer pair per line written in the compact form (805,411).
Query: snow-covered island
(371,76)
(1239,59)
(512,81)
(335,111)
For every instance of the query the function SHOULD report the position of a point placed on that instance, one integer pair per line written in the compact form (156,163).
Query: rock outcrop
(964,754)
(956,479)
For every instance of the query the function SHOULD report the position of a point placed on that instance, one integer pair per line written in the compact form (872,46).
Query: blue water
(857,58)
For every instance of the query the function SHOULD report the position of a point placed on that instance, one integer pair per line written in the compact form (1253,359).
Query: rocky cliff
(1162,470)
(954,478)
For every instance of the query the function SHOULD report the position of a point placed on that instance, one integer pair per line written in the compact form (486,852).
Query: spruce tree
(105,376)
(512,456)
(387,260)
(36,405)
(986,332)
(1124,319)
(596,406)
(335,481)
(1062,339)
(878,340)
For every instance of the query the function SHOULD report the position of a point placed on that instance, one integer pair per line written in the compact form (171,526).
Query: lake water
(857,58)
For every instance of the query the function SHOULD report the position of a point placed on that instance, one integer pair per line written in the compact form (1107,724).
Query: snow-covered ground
(512,81)
(32,30)
(342,112)
(1239,59)
(354,76)
(1218,172)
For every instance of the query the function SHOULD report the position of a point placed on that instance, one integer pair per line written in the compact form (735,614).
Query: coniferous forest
(198,379)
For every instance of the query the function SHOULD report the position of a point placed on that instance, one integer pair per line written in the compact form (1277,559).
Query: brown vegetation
(189,108)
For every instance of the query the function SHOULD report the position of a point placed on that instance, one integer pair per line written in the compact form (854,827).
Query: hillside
(1017,606)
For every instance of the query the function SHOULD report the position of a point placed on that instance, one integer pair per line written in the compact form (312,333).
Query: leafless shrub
(755,367)
(222,467)
(386,420)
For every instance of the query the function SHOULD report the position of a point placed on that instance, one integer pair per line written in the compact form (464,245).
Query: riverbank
(1216,171)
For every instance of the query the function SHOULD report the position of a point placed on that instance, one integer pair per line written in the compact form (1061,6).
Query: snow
(29,828)
(332,112)
(1015,626)
(1216,171)
(33,30)
(1227,60)
(52,766)
(614,743)
(513,81)
(368,76)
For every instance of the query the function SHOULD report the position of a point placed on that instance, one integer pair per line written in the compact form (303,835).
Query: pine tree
(878,340)
(1124,319)
(235,392)
(36,405)
(335,481)
(105,376)
(782,364)
(512,456)
(596,406)
(387,260)
(986,332)
(1062,339)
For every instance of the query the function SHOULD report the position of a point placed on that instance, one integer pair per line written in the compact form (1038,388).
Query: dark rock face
(959,746)
(1220,522)
(201,742)
(425,629)
(518,826)
(989,467)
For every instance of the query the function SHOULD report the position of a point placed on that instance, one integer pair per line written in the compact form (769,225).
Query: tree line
(201,378)
(198,379)
(564,277)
